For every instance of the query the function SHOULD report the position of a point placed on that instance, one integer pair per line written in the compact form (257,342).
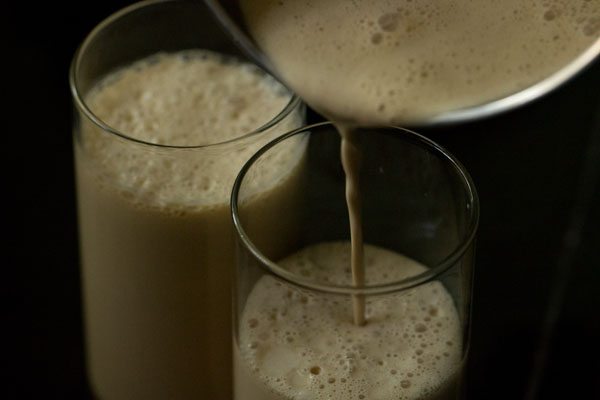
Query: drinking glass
(156,268)
(294,335)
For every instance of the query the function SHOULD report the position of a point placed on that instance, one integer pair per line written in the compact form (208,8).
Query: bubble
(316,370)
(376,38)
(405,384)
(388,22)
(550,15)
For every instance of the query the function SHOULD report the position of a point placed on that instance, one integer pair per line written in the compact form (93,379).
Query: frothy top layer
(301,345)
(189,98)
(381,62)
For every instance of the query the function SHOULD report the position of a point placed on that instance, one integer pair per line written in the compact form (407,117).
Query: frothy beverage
(156,237)
(295,344)
(378,62)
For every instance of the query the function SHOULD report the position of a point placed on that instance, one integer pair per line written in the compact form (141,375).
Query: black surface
(529,167)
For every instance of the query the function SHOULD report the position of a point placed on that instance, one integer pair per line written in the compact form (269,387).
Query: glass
(294,335)
(230,15)
(156,239)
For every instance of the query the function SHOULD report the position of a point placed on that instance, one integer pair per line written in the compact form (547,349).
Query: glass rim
(82,106)
(417,280)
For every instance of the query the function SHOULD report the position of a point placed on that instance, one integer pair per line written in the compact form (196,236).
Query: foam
(380,62)
(190,98)
(300,345)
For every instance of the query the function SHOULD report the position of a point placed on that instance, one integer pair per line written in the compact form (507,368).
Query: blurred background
(536,322)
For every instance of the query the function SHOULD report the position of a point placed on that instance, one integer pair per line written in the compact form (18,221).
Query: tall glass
(294,335)
(155,236)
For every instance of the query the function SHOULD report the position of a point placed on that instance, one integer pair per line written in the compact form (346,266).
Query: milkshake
(382,62)
(155,232)
(297,344)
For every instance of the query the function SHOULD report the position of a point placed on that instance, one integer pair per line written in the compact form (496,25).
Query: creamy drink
(379,62)
(295,344)
(156,236)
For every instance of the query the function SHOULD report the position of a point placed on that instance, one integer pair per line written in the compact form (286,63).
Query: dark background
(536,320)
